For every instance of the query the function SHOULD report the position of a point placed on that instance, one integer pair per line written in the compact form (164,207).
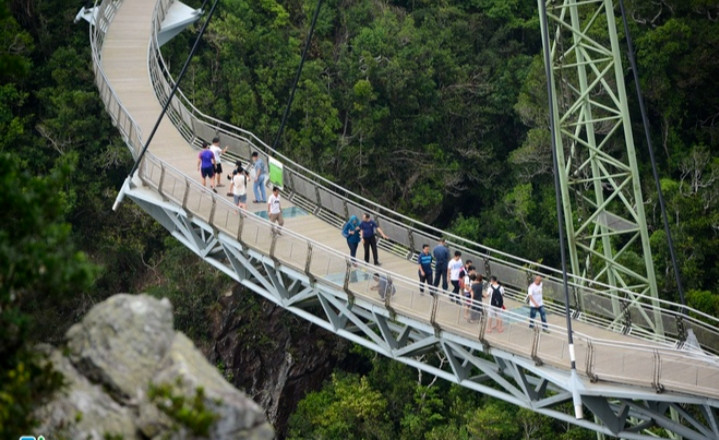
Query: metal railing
(598,358)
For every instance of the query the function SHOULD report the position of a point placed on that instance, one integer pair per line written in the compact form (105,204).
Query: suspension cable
(174,89)
(297,77)
(645,121)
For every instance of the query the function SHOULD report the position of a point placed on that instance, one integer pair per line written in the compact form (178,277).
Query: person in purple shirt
(368,227)
(206,165)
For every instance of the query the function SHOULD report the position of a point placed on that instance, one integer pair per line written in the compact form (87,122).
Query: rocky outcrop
(271,354)
(130,375)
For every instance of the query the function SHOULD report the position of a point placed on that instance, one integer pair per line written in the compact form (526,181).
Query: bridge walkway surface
(310,256)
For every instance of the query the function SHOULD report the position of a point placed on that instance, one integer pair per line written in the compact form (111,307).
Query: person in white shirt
(239,188)
(536,304)
(217,151)
(454,267)
(275,210)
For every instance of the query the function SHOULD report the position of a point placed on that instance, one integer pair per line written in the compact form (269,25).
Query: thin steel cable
(174,89)
(297,76)
(645,122)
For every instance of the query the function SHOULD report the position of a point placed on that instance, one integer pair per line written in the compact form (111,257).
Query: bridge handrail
(190,121)
(322,264)
(321,260)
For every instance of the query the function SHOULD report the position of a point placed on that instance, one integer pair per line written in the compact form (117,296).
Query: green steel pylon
(602,198)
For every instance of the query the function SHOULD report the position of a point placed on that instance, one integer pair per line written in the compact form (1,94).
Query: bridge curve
(631,376)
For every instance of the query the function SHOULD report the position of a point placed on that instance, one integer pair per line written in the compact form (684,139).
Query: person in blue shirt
(351,231)
(206,165)
(260,173)
(425,269)
(441,260)
(368,229)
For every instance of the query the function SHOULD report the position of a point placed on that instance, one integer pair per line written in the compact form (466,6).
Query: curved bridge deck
(306,268)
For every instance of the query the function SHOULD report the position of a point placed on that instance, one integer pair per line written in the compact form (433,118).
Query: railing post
(657,372)
(346,284)
(590,362)
(162,181)
(681,328)
(240,226)
(627,316)
(211,220)
(433,315)
(388,296)
(535,345)
(290,178)
(319,199)
(186,194)
(412,247)
(273,244)
(482,327)
(346,208)
(308,262)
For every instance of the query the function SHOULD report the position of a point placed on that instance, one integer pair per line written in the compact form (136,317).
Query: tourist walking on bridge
(218,152)
(453,270)
(239,188)
(206,165)
(274,210)
(258,187)
(425,270)
(441,259)
(496,303)
(351,231)
(368,230)
(536,303)
(477,295)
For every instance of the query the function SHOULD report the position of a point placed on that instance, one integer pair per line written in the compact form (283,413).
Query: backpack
(496,300)
(345,231)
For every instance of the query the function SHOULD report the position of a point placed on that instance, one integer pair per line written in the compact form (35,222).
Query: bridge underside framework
(521,366)
(619,410)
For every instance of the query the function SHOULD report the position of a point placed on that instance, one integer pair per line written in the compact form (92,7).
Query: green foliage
(704,301)
(191,412)
(348,407)
(38,263)
(190,284)
(399,402)
(493,421)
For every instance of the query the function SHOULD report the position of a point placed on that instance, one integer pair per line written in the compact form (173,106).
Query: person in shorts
(218,152)
(239,188)
(274,210)
(496,304)
(206,166)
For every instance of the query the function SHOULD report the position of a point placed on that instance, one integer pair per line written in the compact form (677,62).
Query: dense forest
(433,108)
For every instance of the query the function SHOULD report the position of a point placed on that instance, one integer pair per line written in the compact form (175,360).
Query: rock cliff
(269,353)
(130,375)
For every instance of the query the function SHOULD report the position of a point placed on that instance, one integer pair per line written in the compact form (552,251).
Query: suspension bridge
(639,362)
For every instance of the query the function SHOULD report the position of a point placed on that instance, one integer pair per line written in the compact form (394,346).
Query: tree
(38,262)
(348,408)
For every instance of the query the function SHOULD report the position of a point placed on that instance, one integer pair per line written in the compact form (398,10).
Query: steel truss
(623,411)
(608,239)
